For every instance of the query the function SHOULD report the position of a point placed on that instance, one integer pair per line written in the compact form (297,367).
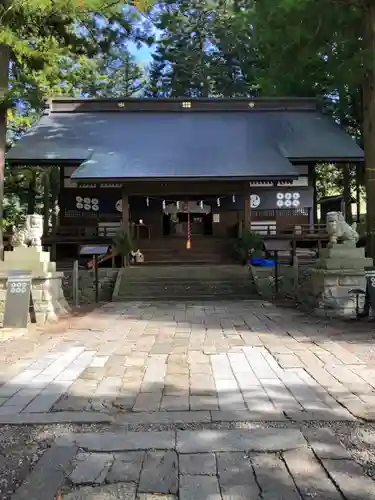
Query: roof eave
(43,162)
(338,159)
(178,178)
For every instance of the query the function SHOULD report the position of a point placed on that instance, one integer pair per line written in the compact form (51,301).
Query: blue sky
(143,55)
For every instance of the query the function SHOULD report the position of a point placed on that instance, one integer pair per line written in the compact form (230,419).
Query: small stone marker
(17,301)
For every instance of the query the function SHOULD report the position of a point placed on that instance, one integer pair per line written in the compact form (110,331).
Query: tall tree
(205,50)
(40,31)
(368,99)
(106,75)
(331,44)
(4,58)
(113,74)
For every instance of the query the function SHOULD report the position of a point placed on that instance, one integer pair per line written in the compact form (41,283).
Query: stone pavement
(262,464)
(134,365)
(231,361)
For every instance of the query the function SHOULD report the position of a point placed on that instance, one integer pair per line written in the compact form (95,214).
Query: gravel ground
(22,446)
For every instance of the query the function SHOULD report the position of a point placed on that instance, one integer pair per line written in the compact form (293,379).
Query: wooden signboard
(277,245)
(17,300)
(97,252)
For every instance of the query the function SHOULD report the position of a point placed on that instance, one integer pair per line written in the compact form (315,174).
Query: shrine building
(170,169)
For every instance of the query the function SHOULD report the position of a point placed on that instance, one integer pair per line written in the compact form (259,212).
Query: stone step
(186,288)
(184,298)
(186,282)
(144,280)
(175,293)
(181,262)
(201,441)
(188,271)
(190,293)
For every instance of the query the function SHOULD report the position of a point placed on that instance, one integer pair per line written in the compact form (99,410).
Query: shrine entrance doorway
(179,217)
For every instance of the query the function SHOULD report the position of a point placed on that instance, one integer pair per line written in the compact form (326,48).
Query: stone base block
(344,263)
(341,250)
(27,259)
(326,292)
(343,256)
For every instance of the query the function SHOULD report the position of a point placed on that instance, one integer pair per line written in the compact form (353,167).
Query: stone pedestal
(343,256)
(28,259)
(46,288)
(325,287)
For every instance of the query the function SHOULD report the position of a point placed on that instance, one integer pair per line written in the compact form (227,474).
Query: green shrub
(249,245)
(123,243)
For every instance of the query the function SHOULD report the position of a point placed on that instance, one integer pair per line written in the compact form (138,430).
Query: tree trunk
(369,122)
(358,193)
(4,77)
(32,193)
(46,209)
(346,177)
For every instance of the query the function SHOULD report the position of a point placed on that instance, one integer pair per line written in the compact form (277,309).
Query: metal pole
(276,272)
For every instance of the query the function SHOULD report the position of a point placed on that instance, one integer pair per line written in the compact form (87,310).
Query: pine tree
(36,33)
(204,50)
(325,48)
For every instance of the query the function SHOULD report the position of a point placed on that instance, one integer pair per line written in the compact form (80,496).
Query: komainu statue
(30,233)
(339,230)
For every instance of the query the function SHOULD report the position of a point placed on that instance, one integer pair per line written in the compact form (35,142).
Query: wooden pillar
(247,214)
(312,183)
(46,207)
(55,197)
(125,211)
(125,222)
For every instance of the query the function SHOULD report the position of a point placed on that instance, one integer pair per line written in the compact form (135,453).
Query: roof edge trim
(78,105)
(97,180)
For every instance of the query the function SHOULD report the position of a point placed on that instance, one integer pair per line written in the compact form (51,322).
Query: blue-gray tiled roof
(162,145)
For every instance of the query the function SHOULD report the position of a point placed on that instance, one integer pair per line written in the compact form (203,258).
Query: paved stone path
(138,364)
(262,464)
(241,360)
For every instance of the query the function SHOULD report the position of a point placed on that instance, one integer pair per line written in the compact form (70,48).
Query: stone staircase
(184,282)
(172,250)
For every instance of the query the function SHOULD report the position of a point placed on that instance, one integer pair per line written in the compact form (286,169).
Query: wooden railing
(83,231)
(294,232)
(78,234)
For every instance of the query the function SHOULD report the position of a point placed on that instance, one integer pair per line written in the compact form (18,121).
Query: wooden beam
(186,189)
